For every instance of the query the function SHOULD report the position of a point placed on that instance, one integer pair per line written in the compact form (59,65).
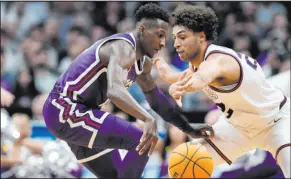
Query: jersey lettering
(223,109)
(253,65)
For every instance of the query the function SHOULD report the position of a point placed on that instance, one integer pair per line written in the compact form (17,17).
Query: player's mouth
(156,51)
(180,52)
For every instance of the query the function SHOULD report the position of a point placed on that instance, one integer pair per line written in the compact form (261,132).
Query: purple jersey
(85,81)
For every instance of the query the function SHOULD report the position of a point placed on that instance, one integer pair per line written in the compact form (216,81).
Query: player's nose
(163,43)
(176,44)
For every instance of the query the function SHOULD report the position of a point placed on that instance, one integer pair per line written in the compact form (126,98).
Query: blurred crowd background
(39,40)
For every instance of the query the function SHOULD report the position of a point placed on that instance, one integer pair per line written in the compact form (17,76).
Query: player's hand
(162,67)
(7,98)
(201,131)
(176,90)
(149,138)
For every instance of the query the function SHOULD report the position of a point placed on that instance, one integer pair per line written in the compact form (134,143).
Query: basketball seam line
(189,160)
(194,162)
(182,160)
(200,167)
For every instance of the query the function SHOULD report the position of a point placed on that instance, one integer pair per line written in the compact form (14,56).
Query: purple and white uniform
(72,110)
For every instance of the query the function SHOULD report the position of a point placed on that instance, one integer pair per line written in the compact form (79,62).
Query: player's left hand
(177,90)
(149,138)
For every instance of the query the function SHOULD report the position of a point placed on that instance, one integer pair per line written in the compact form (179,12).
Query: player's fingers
(182,76)
(154,143)
(188,84)
(178,94)
(179,102)
(179,88)
(155,60)
(186,80)
(145,147)
(143,141)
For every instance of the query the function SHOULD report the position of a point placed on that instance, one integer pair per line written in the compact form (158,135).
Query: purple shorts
(92,128)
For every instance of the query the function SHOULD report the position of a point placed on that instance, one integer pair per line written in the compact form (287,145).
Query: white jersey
(251,104)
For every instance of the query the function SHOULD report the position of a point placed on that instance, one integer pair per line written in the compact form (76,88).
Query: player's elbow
(113,92)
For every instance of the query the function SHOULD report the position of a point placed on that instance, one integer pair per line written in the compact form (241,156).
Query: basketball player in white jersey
(257,115)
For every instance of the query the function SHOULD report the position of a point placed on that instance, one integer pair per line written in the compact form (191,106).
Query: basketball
(190,160)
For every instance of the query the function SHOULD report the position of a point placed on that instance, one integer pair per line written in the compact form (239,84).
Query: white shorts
(233,142)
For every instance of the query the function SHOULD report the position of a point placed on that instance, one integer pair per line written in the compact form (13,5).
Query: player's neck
(138,51)
(196,61)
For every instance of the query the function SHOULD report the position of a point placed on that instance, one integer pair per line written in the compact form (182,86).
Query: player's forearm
(198,83)
(167,109)
(172,76)
(124,101)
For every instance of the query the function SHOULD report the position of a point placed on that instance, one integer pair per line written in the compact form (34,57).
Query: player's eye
(161,35)
(182,37)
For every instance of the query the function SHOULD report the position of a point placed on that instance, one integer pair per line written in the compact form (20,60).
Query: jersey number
(253,65)
(222,107)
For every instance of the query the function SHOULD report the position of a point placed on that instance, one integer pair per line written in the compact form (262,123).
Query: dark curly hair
(197,19)
(151,11)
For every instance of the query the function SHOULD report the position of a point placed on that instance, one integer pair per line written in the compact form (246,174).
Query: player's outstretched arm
(166,72)
(217,65)
(122,56)
(166,108)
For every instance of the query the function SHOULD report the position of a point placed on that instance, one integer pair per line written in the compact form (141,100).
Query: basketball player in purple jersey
(101,74)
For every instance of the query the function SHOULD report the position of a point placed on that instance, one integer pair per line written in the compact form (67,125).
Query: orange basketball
(190,160)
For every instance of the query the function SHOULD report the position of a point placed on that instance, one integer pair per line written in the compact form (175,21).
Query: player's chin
(183,58)
(151,55)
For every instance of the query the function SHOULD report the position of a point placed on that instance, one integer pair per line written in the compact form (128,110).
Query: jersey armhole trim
(241,72)
(113,38)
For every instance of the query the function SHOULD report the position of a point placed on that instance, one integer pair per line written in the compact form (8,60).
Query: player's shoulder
(116,46)
(213,48)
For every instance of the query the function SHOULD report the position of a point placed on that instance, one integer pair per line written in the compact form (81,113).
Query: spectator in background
(37,34)
(7,79)
(16,152)
(82,42)
(51,33)
(37,105)
(45,75)
(113,13)
(98,32)
(24,91)
(264,14)
(11,51)
(7,98)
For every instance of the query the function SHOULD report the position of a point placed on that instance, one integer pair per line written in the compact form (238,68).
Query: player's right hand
(149,138)
(162,67)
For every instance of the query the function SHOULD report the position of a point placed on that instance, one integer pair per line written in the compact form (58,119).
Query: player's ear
(141,29)
(201,37)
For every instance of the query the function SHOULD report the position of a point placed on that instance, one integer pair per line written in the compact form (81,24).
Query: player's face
(185,42)
(154,37)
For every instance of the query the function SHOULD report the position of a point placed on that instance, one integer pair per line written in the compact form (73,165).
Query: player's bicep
(120,60)
(211,69)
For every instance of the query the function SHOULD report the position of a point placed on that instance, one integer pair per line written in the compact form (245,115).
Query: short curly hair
(152,11)
(197,19)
